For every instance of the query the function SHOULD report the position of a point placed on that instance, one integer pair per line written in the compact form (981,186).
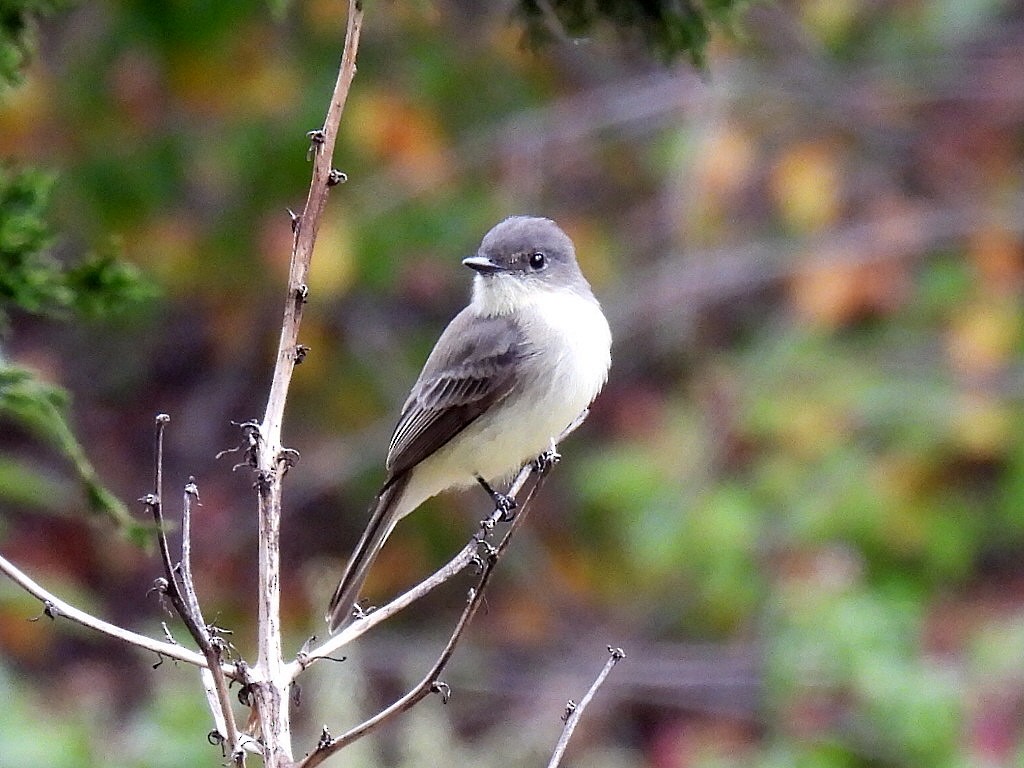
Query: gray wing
(470,370)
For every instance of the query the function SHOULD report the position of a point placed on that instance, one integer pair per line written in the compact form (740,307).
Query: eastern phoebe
(509,373)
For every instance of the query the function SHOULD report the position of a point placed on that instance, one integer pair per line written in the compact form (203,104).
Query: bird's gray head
(523,256)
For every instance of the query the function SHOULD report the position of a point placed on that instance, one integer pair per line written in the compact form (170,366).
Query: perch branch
(431,683)
(573,712)
(363,625)
(465,557)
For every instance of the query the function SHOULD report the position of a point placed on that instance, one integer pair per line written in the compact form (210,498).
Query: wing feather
(470,370)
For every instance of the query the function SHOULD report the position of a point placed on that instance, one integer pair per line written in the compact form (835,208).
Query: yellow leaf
(805,184)
(333,267)
(983,337)
(998,257)
(592,249)
(26,118)
(393,129)
(983,425)
(725,163)
(830,20)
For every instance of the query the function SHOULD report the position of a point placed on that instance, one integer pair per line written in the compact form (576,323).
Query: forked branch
(466,557)
(431,682)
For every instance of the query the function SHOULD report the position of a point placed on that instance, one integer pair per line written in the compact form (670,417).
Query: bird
(513,369)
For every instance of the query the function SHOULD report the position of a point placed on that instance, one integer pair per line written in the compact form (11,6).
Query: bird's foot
(546,460)
(506,505)
(360,611)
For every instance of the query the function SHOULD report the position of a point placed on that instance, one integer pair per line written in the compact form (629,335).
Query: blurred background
(799,503)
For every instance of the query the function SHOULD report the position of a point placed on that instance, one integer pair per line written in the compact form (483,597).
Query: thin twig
(573,712)
(306,227)
(361,626)
(57,607)
(272,459)
(212,651)
(466,556)
(155,500)
(179,587)
(169,584)
(430,682)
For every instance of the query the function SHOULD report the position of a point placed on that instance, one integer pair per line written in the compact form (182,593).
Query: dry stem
(54,606)
(272,460)
(573,712)
(430,682)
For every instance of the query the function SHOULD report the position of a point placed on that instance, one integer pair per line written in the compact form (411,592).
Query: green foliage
(856,646)
(26,485)
(103,283)
(17,18)
(32,280)
(41,409)
(29,277)
(670,28)
(35,728)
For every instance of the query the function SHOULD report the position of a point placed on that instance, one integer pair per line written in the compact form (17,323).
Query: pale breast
(573,343)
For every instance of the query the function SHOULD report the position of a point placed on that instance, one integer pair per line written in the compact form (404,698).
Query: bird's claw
(506,505)
(547,460)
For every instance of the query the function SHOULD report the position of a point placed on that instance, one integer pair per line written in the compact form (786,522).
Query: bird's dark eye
(538,260)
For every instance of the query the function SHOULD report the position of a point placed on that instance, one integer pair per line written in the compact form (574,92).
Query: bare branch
(431,683)
(363,625)
(155,501)
(57,607)
(170,584)
(220,701)
(266,683)
(306,226)
(272,459)
(184,598)
(573,712)
(466,556)
(189,612)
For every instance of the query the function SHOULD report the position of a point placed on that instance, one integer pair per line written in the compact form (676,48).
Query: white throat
(506,294)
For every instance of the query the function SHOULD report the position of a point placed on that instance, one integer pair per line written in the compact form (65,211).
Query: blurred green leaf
(29,278)
(32,280)
(25,485)
(104,284)
(41,409)
(17,34)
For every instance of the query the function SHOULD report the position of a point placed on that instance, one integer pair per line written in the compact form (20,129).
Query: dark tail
(382,520)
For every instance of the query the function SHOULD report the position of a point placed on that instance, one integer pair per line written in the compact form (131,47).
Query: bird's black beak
(482,264)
